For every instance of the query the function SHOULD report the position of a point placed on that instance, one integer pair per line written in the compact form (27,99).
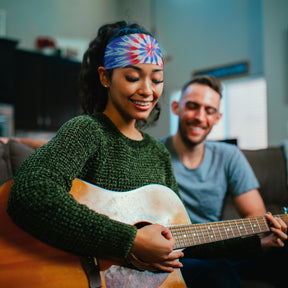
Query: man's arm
(250,204)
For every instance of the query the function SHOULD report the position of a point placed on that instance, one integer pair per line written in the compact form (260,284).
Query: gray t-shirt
(224,169)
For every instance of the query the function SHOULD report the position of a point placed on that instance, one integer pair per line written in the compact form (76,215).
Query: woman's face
(133,91)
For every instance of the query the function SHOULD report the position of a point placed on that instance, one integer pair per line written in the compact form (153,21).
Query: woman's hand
(154,245)
(278,233)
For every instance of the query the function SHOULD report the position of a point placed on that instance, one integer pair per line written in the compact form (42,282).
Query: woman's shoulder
(157,144)
(81,120)
(79,129)
(83,123)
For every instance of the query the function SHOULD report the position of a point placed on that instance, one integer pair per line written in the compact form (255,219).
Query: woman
(103,147)
(121,82)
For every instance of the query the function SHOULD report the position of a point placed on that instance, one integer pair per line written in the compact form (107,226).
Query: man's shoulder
(167,142)
(164,139)
(223,149)
(220,146)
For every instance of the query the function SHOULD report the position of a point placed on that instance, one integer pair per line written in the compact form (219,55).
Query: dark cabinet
(29,90)
(43,89)
(62,100)
(47,92)
(7,50)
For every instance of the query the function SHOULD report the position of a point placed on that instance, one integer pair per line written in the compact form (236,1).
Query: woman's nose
(146,88)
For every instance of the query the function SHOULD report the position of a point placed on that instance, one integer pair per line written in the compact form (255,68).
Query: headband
(131,49)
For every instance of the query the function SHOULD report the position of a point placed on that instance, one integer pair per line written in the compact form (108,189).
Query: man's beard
(187,141)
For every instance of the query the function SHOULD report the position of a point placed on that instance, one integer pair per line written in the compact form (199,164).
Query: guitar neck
(196,234)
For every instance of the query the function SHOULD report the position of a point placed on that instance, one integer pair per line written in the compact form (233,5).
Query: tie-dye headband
(132,49)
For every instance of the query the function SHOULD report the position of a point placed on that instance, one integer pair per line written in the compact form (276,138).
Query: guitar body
(27,262)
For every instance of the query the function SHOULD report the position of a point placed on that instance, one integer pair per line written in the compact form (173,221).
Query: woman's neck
(127,128)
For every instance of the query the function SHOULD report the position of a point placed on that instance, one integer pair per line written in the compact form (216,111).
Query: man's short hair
(207,80)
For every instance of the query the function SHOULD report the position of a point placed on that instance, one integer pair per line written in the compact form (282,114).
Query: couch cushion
(269,166)
(18,152)
(5,164)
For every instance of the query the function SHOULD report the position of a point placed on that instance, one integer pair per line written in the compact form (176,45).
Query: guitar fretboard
(195,234)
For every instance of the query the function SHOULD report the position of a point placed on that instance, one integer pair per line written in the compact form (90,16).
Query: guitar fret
(239,228)
(180,239)
(258,225)
(195,234)
(185,236)
(231,229)
(190,237)
(211,233)
(223,225)
(203,236)
(251,225)
(246,232)
(206,233)
(217,225)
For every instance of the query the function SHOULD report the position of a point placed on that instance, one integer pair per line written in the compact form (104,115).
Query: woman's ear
(103,76)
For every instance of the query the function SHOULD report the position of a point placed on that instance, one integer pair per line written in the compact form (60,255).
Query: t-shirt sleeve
(241,177)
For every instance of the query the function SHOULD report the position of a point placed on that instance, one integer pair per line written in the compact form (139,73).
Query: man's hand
(278,233)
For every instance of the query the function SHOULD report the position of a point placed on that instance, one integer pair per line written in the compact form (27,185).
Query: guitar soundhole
(141,224)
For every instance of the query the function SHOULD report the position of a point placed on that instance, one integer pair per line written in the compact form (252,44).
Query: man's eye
(131,79)
(192,106)
(211,111)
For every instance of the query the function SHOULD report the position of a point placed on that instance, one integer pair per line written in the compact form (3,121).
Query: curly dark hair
(93,95)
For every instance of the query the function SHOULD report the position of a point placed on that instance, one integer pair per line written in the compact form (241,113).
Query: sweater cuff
(233,249)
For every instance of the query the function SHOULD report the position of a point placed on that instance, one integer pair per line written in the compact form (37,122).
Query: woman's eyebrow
(133,67)
(139,69)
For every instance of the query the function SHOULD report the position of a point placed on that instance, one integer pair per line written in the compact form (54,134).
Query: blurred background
(243,42)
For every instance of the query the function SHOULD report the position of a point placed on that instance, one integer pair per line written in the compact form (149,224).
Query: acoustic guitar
(29,263)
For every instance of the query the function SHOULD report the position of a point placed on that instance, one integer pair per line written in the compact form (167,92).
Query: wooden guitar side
(29,263)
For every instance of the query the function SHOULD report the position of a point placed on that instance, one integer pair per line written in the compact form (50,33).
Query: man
(205,172)
(219,165)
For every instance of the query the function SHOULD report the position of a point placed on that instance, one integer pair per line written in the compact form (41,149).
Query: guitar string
(204,233)
(211,238)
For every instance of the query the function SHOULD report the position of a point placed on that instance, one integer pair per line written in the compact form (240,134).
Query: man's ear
(175,107)
(103,76)
(219,116)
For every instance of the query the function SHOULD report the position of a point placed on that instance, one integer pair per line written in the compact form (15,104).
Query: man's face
(198,112)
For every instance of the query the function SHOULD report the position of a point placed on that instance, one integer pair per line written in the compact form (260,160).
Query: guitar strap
(92,271)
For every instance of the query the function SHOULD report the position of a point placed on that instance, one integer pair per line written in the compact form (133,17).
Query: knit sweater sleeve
(40,202)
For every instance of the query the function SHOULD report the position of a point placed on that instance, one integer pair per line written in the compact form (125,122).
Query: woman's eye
(131,79)
(157,81)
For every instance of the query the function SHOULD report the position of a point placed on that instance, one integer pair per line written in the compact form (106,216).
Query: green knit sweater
(93,149)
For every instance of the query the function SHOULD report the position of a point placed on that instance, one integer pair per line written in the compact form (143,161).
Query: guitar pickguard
(119,276)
